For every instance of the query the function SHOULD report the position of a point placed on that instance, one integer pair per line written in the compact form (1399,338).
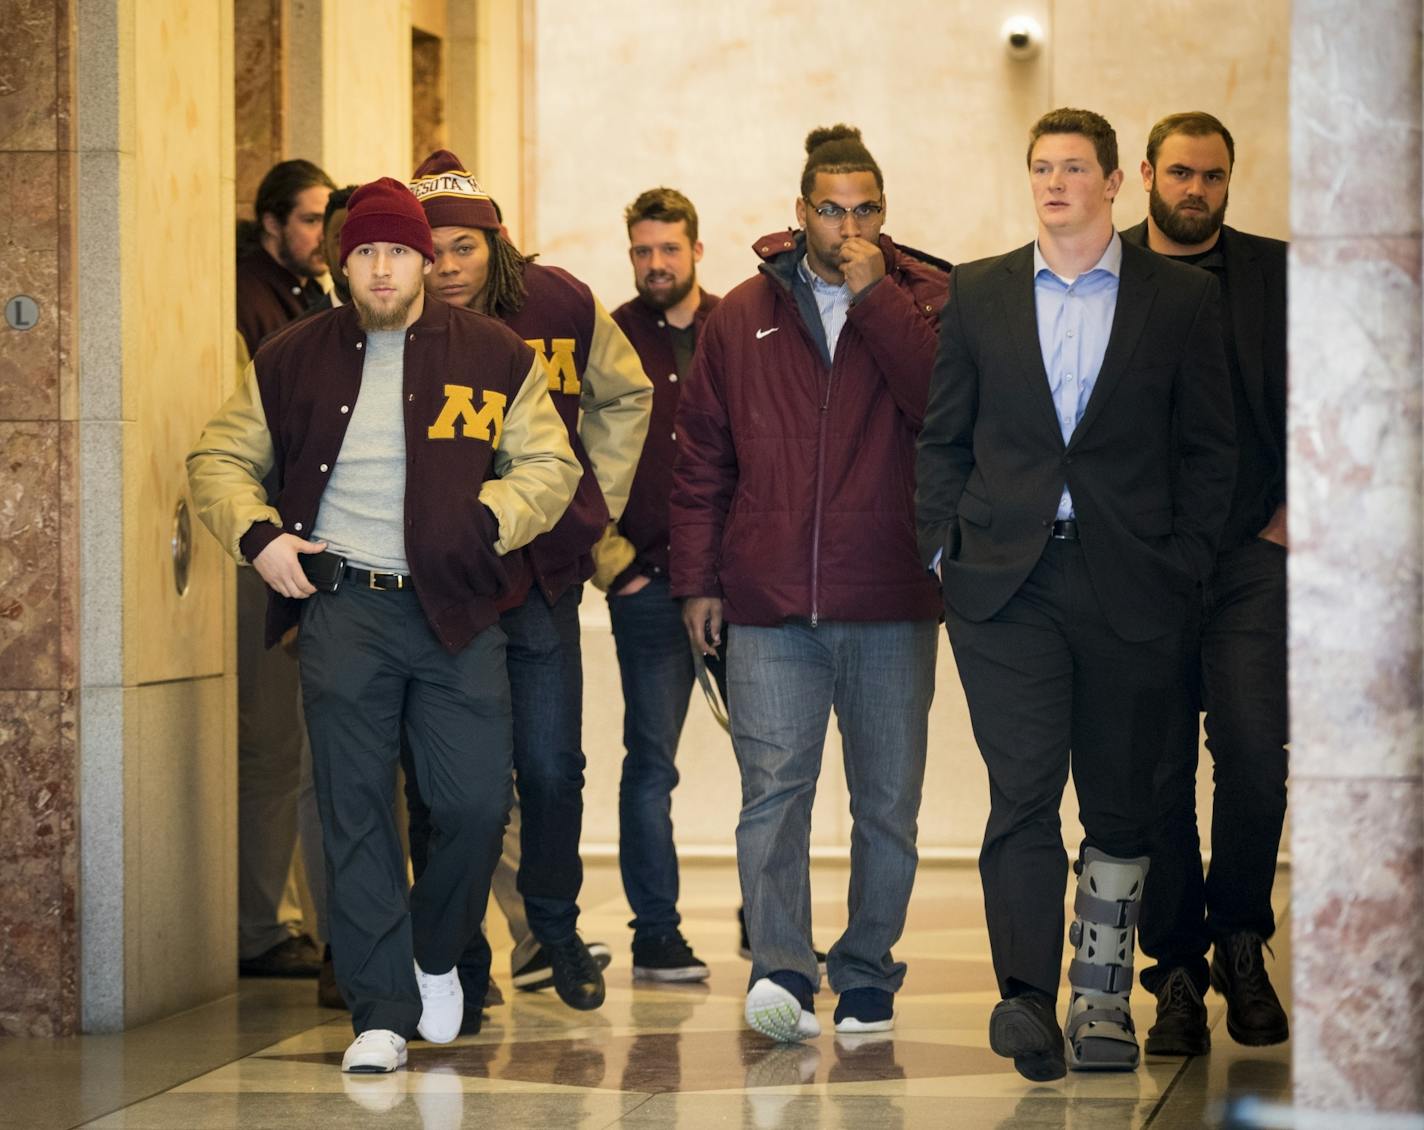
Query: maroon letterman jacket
(487,465)
(645,520)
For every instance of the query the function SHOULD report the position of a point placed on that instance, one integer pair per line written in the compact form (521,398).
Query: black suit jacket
(1150,465)
(1256,270)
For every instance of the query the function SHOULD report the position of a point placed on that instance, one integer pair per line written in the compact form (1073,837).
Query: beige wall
(156,192)
(717,99)
(365,68)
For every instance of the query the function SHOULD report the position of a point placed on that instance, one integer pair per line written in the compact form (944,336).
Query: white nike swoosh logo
(763,333)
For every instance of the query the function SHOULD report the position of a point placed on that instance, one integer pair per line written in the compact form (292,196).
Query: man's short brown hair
(1193,123)
(1093,126)
(666,206)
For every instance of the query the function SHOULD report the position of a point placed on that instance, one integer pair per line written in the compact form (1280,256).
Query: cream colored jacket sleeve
(227,465)
(537,468)
(615,404)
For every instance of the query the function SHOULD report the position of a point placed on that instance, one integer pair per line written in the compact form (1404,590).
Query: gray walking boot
(1099,1032)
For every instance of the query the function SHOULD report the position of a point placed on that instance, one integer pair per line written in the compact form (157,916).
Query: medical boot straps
(1099,1033)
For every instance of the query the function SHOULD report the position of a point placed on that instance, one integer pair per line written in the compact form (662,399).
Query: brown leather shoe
(328,995)
(295,957)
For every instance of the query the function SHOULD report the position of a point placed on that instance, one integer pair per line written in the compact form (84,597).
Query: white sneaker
(442,1004)
(373,1051)
(775,1012)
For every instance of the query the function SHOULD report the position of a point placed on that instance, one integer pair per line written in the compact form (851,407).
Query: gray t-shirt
(362,515)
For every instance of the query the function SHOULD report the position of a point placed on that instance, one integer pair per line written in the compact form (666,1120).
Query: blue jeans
(783,683)
(546,687)
(656,665)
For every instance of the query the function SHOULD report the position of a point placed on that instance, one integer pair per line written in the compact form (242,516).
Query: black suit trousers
(1236,656)
(1050,687)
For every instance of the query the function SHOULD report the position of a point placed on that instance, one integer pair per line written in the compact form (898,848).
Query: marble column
(1357,801)
(39,559)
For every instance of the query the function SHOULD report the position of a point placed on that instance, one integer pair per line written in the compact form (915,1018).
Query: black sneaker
(295,957)
(1254,1015)
(668,958)
(537,973)
(865,1010)
(577,977)
(1181,1019)
(744,946)
(1025,1028)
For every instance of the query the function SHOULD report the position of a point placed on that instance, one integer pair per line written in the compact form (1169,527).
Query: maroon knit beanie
(385,211)
(451,196)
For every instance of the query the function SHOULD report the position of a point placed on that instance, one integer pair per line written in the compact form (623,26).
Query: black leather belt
(1066,529)
(382,582)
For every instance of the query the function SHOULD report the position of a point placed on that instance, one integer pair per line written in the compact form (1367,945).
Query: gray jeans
(783,683)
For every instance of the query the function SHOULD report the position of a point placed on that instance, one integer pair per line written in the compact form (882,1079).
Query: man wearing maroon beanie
(416,446)
(598,386)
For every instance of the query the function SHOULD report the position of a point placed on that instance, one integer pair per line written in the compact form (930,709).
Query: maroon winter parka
(793,489)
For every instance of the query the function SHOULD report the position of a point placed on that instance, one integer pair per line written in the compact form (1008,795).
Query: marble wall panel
(1355,92)
(427,96)
(1356,408)
(258,94)
(181,349)
(1126,61)
(29,264)
(29,75)
(29,555)
(39,941)
(1357,924)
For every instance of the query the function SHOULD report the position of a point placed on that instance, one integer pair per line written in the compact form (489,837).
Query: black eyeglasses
(834,213)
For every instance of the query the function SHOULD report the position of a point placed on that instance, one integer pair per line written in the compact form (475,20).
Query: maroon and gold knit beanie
(385,211)
(451,196)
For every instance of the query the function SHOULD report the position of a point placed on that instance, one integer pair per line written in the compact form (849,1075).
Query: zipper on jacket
(820,499)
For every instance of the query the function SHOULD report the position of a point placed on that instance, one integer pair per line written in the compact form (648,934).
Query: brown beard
(1181,227)
(303,268)
(671,298)
(379,321)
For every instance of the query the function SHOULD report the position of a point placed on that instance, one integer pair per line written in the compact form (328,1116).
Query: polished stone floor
(651,1057)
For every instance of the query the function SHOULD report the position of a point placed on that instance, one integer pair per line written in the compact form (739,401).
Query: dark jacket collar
(652,315)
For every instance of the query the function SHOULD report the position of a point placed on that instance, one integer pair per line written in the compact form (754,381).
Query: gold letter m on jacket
(460,405)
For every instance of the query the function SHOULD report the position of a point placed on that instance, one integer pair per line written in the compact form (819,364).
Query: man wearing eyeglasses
(792,517)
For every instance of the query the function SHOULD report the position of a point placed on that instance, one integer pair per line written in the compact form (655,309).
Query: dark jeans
(656,665)
(546,687)
(1048,680)
(1237,674)
(371,665)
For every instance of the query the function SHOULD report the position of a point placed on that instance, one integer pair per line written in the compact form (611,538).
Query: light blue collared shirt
(1075,320)
(832,302)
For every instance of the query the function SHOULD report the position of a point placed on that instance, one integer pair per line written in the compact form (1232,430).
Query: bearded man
(417,446)
(1236,636)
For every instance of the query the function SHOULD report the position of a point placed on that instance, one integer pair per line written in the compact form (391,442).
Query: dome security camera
(1023,38)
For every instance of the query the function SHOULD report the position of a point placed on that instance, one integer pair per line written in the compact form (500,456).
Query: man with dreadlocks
(599,388)
(792,517)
